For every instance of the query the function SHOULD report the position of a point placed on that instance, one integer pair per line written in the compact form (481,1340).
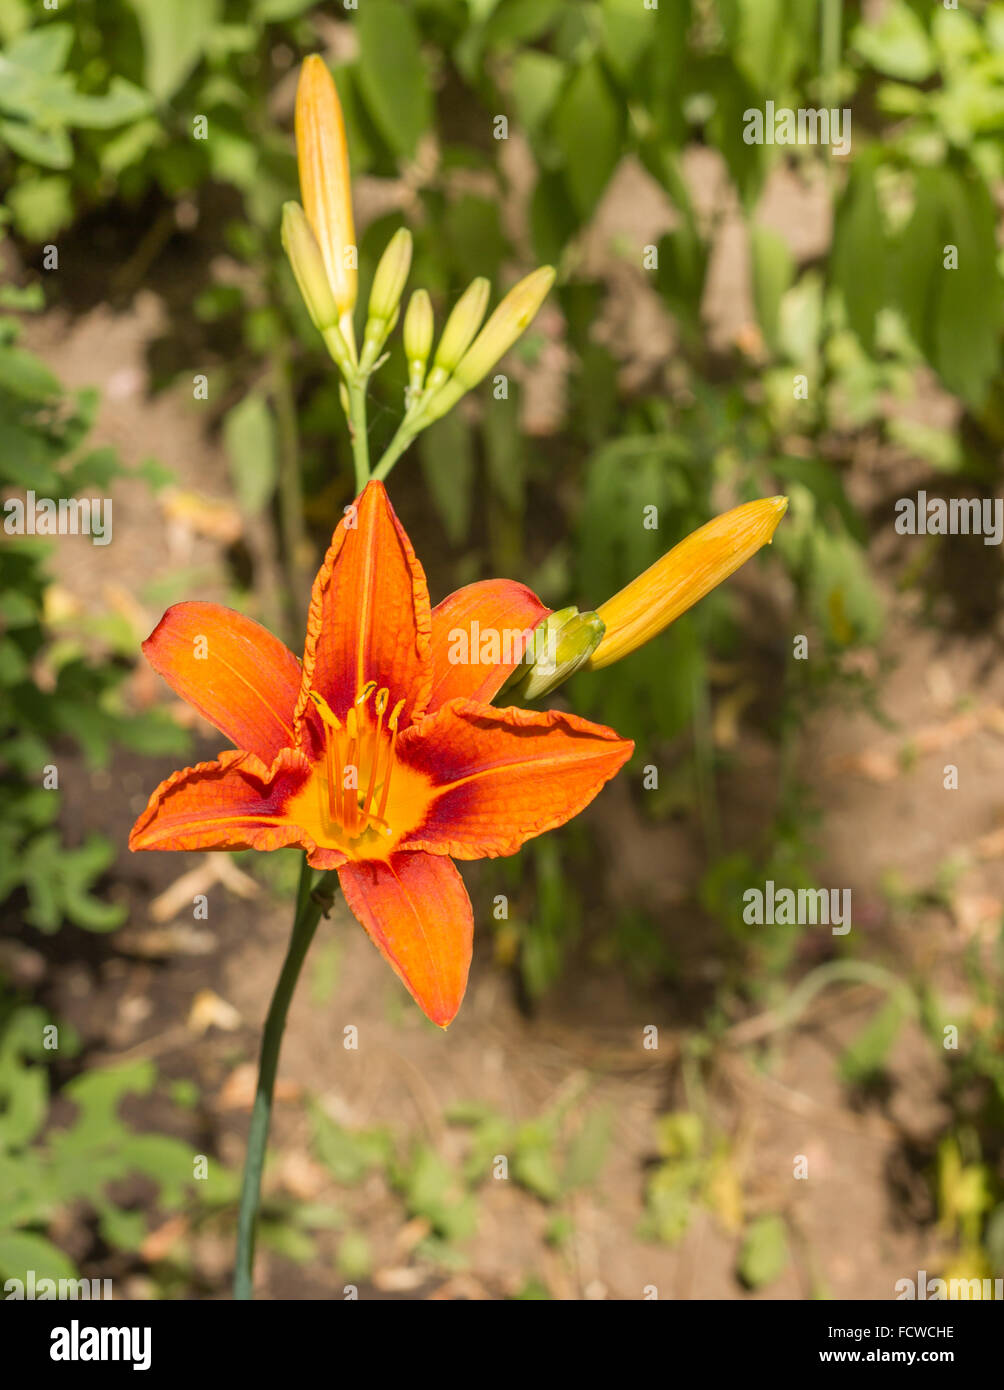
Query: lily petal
(234,672)
(235,802)
(500,610)
(369,616)
(417,913)
(501,776)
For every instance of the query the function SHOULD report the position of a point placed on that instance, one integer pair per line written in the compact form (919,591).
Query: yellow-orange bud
(323,159)
(683,576)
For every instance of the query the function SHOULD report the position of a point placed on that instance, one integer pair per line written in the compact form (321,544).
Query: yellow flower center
(347,804)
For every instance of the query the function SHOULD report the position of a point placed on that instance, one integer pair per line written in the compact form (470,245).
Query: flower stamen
(349,746)
(395,715)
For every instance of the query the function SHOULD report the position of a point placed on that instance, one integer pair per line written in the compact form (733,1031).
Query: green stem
(357,426)
(829,47)
(405,434)
(310,904)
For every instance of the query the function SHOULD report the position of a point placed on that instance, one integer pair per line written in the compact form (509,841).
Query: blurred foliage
(54,691)
(45,1170)
(551,1156)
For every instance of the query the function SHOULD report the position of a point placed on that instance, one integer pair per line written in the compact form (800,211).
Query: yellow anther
(351,723)
(395,715)
(383,695)
(366,692)
(324,710)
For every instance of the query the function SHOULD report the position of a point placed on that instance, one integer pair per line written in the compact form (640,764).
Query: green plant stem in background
(311,903)
(357,425)
(829,47)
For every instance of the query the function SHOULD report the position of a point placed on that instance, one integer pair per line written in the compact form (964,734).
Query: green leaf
(587,130)
(26,299)
(535,80)
(22,1250)
(447,459)
(49,148)
(764,1252)
(865,1057)
(825,484)
(954,314)
(272,11)
(534,1164)
(355,1256)
(431,1188)
(23,375)
(392,75)
(175,36)
(525,20)
(42,51)
(627,32)
(860,264)
(898,45)
(41,207)
(122,102)
(970,302)
(25,1095)
(759,41)
(249,438)
(588,1151)
(347,1156)
(773,269)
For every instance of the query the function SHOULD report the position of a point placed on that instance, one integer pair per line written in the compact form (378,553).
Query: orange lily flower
(379,756)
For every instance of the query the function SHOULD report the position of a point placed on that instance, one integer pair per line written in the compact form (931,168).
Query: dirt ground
(862,1218)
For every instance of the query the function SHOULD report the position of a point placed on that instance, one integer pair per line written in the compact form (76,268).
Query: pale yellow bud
(391,275)
(419,326)
(458,334)
(509,320)
(305,257)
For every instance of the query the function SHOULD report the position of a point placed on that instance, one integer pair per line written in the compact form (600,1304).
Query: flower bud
(461,326)
(683,576)
(510,318)
(305,257)
(391,275)
(418,330)
(323,160)
(385,297)
(562,643)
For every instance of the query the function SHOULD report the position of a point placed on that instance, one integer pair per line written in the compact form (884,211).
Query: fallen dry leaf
(210,1011)
(212,517)
(301,1176)
(159,1243)
(238,1091)
(214,869)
